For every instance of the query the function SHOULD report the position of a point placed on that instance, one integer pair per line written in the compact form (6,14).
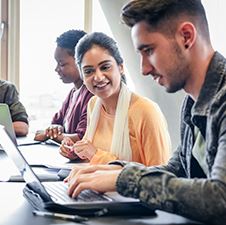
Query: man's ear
(187,33)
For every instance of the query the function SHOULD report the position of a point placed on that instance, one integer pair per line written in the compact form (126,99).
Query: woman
(71,118)
(121,124)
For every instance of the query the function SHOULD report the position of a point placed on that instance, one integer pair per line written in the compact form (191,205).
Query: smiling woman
(119,120)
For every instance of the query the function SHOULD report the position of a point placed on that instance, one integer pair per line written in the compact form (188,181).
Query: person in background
(121,124)
(71,118)
(10,96)
(173,41)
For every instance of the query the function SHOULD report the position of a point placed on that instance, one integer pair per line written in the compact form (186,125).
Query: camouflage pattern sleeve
(199,199)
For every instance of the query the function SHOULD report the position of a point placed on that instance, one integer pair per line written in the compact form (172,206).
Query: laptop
(6,121)
(53,196)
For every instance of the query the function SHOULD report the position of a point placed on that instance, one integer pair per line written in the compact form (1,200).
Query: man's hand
(100,178)
(21,128)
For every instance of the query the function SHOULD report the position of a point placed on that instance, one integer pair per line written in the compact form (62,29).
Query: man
(10,96)
(172,38)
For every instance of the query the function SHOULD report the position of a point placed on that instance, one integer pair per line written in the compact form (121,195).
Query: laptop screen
(25,170)
(6,121)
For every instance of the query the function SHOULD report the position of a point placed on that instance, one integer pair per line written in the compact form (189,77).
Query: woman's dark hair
(69,40)
(101,40)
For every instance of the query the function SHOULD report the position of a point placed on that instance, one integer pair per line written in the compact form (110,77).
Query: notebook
(46,195)
(6,121)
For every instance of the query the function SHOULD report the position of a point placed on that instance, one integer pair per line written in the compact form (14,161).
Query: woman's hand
(84,149)
(54,131)
(66,148)
(40,136)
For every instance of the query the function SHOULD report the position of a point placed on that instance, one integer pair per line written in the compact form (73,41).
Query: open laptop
(53,195)
(6,121)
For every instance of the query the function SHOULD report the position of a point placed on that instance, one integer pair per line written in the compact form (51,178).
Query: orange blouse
(148,132)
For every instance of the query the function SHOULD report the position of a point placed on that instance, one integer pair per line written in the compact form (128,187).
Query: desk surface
(37,155)
(15,209)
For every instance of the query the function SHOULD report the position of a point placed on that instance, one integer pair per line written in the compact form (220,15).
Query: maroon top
(73,113)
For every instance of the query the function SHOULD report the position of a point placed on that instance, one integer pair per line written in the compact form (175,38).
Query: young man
(172,38)
(9,95)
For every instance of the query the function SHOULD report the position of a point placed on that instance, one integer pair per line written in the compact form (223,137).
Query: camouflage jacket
(182,187)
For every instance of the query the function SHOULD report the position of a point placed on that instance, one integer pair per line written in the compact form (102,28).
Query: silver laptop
(53,195)
(6,121)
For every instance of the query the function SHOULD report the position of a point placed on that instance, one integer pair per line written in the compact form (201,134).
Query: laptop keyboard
(58,190)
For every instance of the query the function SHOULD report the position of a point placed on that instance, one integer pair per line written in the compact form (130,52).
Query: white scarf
(120,145)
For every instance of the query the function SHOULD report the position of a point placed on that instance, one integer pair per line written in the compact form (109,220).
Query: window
(3,39)
(41,22)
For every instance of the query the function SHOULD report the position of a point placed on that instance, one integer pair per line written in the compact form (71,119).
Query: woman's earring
(123,78)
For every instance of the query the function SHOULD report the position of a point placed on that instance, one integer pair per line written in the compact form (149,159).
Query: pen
(74,218)
(58,144)
(50,141)
(30,143)
(69,147)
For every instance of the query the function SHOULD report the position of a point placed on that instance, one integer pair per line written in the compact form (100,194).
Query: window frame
(4,40)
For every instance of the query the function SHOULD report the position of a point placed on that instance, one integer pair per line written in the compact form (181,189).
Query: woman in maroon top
(71,118)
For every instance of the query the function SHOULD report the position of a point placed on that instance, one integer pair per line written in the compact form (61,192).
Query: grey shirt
(182,187)
(10,96)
